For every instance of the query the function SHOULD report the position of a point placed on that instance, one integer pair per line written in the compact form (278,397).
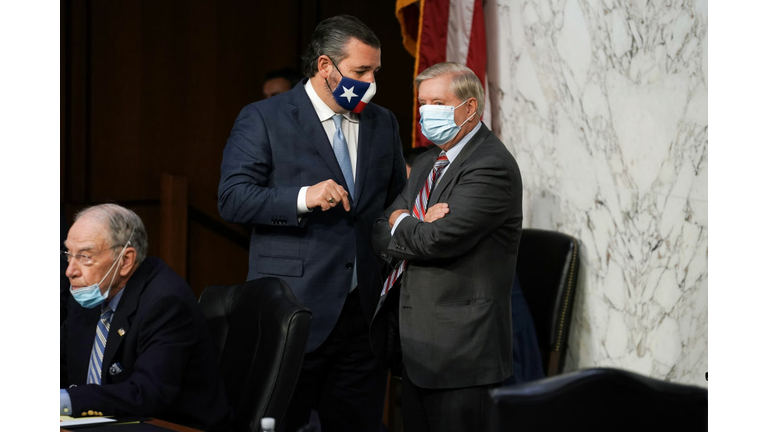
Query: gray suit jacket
(455,310)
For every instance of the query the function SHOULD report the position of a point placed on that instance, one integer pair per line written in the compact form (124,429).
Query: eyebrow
(81,250)
(366,68)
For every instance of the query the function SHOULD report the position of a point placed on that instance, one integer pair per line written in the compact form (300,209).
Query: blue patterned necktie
(419,211)
(342,155)
(97,353)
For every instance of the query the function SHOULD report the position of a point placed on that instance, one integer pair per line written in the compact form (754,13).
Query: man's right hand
(327,194)
(437,211)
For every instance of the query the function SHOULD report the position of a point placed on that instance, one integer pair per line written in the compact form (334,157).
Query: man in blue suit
(310,170)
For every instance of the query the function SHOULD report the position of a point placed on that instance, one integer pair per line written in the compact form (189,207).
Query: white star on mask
(348,93)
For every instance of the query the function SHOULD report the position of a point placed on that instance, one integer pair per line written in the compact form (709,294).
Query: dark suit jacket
(167,357)
(279,145)
(455,312)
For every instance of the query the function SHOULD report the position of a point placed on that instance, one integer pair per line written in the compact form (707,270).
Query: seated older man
(134,341)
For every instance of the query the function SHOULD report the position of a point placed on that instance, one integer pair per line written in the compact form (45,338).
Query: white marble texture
(604,105)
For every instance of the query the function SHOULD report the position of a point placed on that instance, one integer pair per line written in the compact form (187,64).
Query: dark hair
(292,75)
(331,36)
(411,154)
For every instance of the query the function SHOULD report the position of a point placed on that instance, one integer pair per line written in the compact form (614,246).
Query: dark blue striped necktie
(99,343)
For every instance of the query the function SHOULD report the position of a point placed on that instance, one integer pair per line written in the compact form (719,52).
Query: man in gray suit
(457,227)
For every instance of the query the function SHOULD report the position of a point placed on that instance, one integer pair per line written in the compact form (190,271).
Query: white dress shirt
(350,126)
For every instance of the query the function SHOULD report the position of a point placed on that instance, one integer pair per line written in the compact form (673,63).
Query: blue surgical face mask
(91,296)
(437,123)
(351,94)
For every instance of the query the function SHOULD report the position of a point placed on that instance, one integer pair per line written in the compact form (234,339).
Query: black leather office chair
(548,268)
(260,331)
(600,399)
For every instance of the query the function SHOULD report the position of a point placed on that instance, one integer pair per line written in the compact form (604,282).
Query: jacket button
(349,266)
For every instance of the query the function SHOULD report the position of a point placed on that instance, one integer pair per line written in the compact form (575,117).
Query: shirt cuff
(397,222)
(65,403)
(301,201)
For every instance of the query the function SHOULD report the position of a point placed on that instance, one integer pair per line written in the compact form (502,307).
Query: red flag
(447,30)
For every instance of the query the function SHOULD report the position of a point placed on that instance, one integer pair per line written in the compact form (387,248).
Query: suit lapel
(418,177)
(84,322)
(453,168)
(364,143)
(121,321)
(305,117)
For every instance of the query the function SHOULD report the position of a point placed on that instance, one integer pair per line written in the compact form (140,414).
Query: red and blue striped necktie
(419,211)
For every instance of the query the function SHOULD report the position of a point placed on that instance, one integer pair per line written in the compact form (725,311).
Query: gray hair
(120,223)
(464,83)
(331,37)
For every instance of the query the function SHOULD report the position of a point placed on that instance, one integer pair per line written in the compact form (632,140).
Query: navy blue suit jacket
(165,353)
(277,146)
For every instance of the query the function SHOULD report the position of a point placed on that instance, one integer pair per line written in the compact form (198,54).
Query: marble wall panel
(604,105)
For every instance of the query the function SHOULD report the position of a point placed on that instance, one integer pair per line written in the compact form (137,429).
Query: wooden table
(157,422)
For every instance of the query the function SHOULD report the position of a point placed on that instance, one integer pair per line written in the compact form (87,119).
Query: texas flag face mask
(351,94)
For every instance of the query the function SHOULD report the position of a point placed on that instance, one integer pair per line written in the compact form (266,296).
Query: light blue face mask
(91,296)
(437,123)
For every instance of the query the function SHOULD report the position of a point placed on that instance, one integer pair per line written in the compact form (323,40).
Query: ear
(127,262)
(472,105)
(324,66)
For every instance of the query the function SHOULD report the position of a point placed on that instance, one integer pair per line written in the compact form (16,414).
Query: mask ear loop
(337,68)
(468,118)
(119,257)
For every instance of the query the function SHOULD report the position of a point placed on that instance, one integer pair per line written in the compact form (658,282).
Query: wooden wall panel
(122,165)
(75,100)
(213,260)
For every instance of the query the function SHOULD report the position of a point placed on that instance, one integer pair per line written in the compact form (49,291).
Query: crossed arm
(477,204)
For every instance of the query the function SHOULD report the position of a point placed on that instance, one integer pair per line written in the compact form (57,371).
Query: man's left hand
(395,214)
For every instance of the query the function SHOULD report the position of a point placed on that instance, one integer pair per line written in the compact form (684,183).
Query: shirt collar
(324,112)
(454,151)
(116,299)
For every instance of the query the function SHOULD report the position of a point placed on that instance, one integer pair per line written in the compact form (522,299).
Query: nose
(369,77)
(73,269)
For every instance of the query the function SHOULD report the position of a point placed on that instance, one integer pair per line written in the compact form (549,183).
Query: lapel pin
(121,332)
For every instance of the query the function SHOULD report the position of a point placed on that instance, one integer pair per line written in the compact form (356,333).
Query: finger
(345,201)
(439,206)
(435,214)
(328,192)
(343,197)
(334,197)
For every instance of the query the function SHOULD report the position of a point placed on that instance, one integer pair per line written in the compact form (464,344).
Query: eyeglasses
(83,258)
